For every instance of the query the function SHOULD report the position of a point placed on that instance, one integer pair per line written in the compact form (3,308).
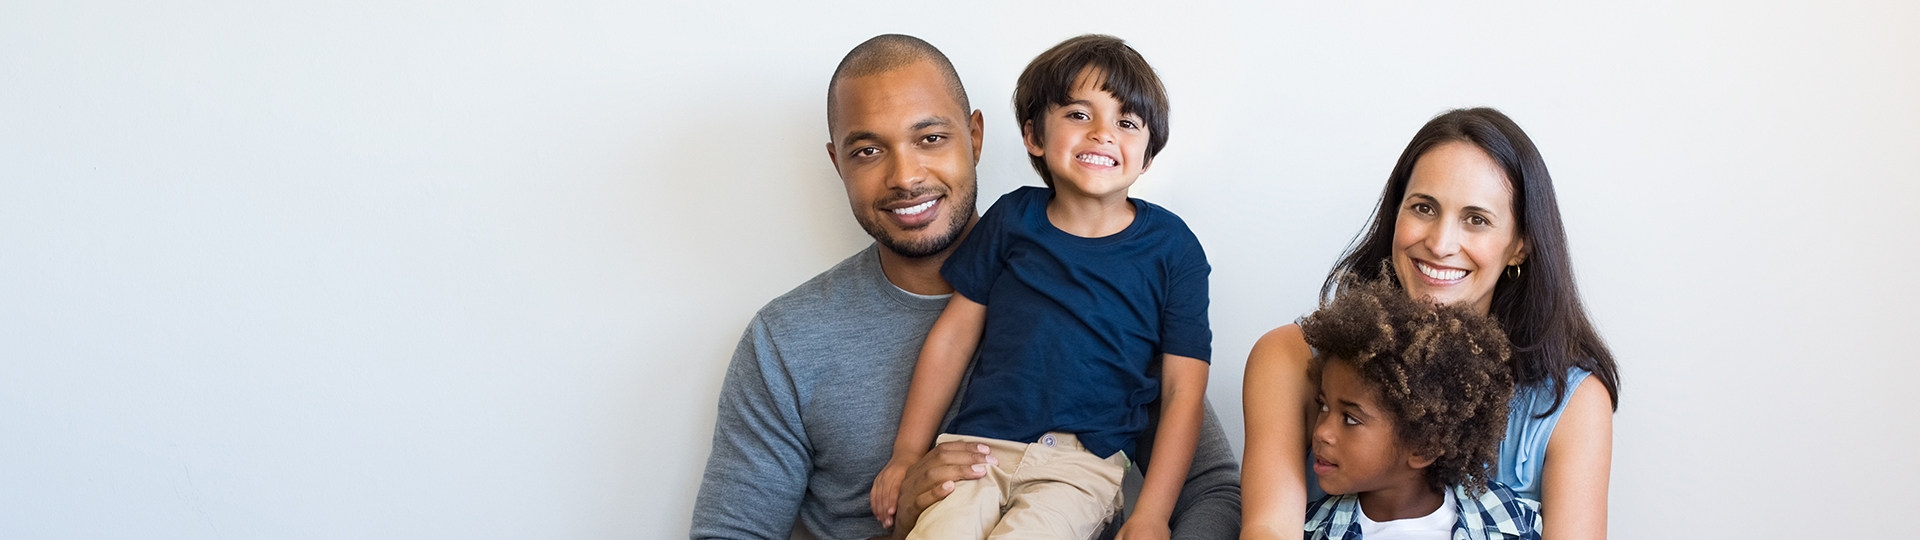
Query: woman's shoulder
(1284,346)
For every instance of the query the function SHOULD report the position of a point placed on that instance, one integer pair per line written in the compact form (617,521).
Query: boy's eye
(1129,124)
(1077,115)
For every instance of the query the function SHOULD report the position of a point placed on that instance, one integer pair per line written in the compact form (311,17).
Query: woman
(1467,217)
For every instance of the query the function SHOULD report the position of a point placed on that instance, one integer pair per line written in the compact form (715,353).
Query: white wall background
(410,269)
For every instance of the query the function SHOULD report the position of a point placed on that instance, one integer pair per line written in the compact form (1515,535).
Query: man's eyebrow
(857,136)
(932,121)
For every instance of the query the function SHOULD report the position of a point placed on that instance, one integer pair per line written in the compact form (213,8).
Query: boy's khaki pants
(1048,489)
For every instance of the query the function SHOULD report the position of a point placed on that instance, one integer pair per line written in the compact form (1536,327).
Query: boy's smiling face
(1355,449)
(1092,148)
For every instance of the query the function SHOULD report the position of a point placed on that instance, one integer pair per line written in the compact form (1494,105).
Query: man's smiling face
(906,150)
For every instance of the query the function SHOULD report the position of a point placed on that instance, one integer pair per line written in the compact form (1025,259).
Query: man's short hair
(1048,81)
(888,52)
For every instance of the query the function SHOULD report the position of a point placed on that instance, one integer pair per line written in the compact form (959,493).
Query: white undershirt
(1438,524)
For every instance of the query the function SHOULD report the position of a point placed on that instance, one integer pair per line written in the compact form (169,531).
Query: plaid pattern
(1495,514)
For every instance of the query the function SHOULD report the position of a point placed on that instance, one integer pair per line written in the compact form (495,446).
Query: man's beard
(955,220)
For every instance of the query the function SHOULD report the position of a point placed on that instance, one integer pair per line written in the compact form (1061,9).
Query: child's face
(1355,449)
(1091,148)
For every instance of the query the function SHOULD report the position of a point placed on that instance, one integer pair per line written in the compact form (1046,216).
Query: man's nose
(906,171)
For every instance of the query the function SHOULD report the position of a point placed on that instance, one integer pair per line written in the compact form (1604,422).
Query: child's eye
(1323,407)
(1351,421)
(1077,115)
(1129,124)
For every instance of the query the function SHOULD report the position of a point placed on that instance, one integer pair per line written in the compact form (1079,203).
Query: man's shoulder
(823,292)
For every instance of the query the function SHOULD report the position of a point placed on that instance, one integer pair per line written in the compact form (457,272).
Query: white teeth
(1442,275)
(1096,159)
(915,209)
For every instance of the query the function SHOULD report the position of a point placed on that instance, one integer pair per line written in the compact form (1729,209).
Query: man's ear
(977,126)
(1026,137)
(834,155)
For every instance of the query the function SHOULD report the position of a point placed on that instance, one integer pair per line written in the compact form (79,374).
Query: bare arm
(1183,389)
(1278,399)
(1579,462)
(936,378)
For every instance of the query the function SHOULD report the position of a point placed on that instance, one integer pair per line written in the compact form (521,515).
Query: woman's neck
(1088,216)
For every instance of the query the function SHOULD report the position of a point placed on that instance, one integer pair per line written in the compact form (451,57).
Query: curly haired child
(1413,404)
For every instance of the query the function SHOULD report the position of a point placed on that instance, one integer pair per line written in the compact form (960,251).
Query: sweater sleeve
(1209,505)
(757,472)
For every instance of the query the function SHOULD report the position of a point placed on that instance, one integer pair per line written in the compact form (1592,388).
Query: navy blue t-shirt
(1072,323)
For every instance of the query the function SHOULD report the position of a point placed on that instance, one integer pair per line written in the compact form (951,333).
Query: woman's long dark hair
(1540,308)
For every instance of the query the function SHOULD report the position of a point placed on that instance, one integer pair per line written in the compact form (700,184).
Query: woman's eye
(1422,208)
(1477,220)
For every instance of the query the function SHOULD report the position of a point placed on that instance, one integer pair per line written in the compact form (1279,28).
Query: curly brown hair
(1441,373)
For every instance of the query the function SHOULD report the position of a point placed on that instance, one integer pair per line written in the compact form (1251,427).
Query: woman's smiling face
(1456,229)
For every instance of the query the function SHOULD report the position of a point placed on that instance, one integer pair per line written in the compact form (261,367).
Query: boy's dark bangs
(1119,78)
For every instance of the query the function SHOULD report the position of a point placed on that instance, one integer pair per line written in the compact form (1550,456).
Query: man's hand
(1144,529)
(933,478)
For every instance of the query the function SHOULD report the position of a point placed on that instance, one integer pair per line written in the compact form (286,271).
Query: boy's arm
(1183,389)
(936,378)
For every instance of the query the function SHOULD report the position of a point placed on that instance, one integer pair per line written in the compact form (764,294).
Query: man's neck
(1409,500)
(921,275)
(917,275)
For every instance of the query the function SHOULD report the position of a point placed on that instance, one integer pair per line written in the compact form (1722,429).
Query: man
(812,397)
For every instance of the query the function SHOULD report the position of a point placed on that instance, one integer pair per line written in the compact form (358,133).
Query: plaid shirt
(1492,515)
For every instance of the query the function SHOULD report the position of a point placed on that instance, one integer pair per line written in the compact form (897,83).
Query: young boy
(1413,404)
(1070,294)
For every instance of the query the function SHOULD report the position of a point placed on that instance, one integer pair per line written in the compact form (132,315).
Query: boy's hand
(886,489)
(1144,529)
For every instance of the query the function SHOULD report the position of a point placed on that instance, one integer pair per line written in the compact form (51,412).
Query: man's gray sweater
(812,401)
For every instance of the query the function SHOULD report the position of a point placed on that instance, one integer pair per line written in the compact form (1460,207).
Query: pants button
(1047,440)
